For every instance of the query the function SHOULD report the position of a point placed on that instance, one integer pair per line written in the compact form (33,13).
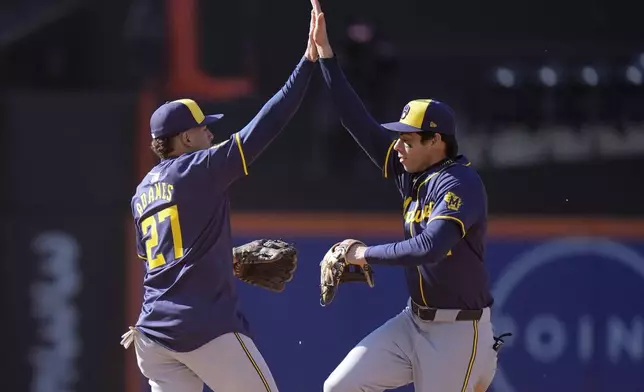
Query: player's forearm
(373,139)
(429,247)
(277,112)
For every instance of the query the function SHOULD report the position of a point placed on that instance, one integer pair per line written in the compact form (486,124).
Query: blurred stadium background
(550,100)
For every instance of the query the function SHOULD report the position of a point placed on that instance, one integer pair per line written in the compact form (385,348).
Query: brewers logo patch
(453,202)
(405,112)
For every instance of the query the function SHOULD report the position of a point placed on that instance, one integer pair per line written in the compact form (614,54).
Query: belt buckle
(420,308)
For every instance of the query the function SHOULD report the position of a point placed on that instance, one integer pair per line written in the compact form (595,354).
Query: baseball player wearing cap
(190,330)
(443,339)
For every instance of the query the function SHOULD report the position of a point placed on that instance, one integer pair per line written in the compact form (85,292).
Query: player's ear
(436,138)
(184,137)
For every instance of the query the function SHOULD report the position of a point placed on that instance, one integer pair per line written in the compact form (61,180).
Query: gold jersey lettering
(406,204)
(160,191)
(418,215)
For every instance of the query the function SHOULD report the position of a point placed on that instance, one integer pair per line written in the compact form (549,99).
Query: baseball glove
(334,270)
(269,264)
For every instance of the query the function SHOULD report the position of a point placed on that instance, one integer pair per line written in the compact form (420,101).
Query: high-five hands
(311,53)
(320,37)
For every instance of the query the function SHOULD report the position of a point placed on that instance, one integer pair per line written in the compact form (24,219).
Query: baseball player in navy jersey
(190,329)
(442,341)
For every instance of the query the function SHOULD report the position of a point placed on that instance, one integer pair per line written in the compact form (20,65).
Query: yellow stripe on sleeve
(460,222)
(391,146)
(241,152)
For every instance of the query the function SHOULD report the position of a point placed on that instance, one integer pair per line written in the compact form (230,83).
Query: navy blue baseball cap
(425,115)
(178,116)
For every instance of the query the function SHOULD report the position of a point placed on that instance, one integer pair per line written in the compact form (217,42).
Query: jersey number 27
(150,224)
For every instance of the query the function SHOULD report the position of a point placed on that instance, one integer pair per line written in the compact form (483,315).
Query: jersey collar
(440,165)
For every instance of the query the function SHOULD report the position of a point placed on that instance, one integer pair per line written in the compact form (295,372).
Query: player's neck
(434,161)
(177,151)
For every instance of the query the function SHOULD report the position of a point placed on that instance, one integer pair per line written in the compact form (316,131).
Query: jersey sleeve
(235,155)
(461,200)
(226,160)
(429,247)
(373,138)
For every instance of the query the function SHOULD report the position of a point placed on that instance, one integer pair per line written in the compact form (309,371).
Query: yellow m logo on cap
(194,109)
(414,112)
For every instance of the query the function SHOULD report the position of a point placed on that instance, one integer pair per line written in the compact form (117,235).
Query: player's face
(414,154)
(198,138)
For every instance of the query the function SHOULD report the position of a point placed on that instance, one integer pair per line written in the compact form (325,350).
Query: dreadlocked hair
(161,147)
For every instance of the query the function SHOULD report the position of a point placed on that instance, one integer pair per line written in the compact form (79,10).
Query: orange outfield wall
(388,225)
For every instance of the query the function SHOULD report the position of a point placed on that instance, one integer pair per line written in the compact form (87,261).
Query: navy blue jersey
(181,212)
(444,212)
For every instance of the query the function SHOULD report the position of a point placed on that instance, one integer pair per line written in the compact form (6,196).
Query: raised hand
(316,7)
(320,36)
(311,49)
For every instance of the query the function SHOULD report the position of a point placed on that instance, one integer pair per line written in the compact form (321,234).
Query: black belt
(428,314)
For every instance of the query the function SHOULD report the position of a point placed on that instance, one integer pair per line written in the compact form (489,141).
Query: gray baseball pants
(437,356)
(229,363)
